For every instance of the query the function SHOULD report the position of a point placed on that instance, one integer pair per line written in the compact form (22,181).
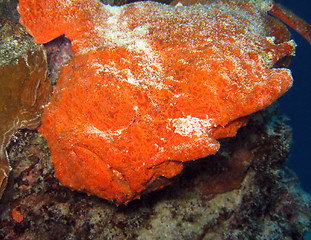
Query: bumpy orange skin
(151,86)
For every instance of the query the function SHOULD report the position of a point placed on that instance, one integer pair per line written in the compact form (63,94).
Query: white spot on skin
(190,126)
(108,134)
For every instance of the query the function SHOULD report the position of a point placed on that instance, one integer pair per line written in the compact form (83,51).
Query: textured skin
(151,86)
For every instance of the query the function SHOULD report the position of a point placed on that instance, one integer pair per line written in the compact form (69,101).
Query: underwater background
(268,206)
(296,102)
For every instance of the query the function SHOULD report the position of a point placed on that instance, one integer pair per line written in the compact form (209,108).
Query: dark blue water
(296,103)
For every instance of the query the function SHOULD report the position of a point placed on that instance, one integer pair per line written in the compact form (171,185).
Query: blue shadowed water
(296,103)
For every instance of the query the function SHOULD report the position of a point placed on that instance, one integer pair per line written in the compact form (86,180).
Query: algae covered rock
(25,87)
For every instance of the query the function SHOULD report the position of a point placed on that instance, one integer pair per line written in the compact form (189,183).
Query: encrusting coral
(151,86)
(25,87)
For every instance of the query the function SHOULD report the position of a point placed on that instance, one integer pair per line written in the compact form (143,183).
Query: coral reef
(25,87)
(268,203)
(244,191)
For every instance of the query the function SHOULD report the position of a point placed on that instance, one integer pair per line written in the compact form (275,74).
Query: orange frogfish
(151,86)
